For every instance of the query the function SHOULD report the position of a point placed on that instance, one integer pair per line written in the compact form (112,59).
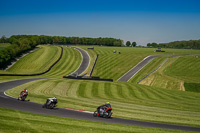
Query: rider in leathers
(102,108)
(49,100)
(22,93)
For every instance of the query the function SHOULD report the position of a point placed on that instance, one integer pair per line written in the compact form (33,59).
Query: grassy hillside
(185,68)
(38,61)
(155,63)
(42,59)
(18,121)
(128,100)
(69,62)
(175,73)
(113,65)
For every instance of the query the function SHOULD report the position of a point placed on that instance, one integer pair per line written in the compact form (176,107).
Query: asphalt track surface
(85,61)
(13,103)
(127,76)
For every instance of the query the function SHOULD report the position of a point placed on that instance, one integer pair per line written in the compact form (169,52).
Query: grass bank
(128,100)
(18,121)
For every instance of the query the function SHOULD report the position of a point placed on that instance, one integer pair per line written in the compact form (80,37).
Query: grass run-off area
(128,100)
(18,121)
(38,61)
(180,73)
(113,65)
(41,59)
(149,101)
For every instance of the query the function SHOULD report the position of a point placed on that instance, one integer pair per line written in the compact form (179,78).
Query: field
(128,100)
(33,63)
(17,121)
(114,65)
(180,73)
(151,100)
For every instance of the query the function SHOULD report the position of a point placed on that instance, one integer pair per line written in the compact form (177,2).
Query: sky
(142,21)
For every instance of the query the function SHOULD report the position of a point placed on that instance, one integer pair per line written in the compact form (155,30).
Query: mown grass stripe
(95,89)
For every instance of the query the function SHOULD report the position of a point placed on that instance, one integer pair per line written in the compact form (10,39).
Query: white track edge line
(134,67)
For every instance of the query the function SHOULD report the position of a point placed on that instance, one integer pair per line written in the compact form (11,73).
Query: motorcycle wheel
(51,106)
(95,114)
(23,98)
(109,115)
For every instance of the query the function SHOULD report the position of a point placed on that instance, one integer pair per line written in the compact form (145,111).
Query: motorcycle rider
(22,93)
(102,108)
(49,100)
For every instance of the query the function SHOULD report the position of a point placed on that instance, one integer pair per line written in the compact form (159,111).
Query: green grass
(152,65)
(185,68)
(18,121)
(36,62)
(193,87)
(69,62)
(110,65)
(128,100)
(175,72)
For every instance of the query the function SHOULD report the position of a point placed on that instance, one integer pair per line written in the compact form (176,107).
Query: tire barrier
(87,78)
(94,65)
(37,73)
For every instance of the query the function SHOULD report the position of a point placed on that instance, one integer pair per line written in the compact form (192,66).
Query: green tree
(128,43)
(134,44)
(3,39)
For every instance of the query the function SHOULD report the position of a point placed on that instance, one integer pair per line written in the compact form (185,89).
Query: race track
(85,61)
(127,76)
(13,103)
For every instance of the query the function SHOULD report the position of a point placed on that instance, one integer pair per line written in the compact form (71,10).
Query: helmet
(54,97)
(25,90)
(107,102)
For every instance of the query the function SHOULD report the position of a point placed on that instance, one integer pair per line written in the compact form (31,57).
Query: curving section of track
(13,103)
(127,76)
(85,62)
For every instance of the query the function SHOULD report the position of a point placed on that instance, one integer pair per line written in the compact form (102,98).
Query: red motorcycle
(106,113)
(23,95)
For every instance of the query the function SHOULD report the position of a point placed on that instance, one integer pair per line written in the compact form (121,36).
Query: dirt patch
(182,88)
(147,81)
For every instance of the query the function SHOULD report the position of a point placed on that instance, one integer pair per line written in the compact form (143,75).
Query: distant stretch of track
(127,76)
(13,103)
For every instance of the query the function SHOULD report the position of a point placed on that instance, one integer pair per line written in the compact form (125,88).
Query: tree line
(194,44)
(23,43)
(63,40)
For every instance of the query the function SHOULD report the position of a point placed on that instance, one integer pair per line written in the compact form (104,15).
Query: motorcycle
(51,105)
(23,96)
(106,113)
